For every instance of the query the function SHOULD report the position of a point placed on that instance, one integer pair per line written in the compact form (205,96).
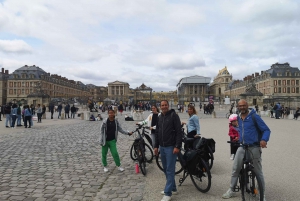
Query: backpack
(18,111)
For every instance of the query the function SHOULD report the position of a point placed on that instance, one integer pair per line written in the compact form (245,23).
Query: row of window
(288,74)
(286,82)
(22,84)
(286,90)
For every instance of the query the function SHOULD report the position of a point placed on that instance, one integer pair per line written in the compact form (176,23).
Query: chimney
(252,75)
(6,72)
(256,74)
(262,72)
(2,71)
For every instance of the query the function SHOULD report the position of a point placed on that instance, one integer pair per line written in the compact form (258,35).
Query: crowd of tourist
(17,115)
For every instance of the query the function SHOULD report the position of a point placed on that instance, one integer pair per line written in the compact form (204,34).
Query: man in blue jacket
(249,135)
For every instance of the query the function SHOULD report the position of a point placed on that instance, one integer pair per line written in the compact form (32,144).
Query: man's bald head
(243,106)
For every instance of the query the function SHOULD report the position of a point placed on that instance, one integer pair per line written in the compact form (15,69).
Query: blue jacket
(27,113)
(248,132)
(193,124)
(278,107)
(14,111)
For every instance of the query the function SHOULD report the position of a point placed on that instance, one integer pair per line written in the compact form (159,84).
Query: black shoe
(7,126)
(29,127)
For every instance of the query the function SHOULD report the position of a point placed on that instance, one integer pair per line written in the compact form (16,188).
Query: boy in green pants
(108,139)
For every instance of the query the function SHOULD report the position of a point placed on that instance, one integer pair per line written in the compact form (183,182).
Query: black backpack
(18,111)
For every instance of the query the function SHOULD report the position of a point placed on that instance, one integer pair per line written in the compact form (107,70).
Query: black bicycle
(249,184)
(179,168)
(148,149)
(192,163)
(141,151)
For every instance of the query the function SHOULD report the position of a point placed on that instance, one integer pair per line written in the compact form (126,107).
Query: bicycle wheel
(252,188)
(178,167)
(133,155)
(202,181)
(211,158)
(142,162)
(148,153)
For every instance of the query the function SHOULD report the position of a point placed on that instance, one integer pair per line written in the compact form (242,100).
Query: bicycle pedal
(236,189)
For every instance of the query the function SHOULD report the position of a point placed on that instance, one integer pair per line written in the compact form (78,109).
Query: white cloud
(151,42)
(14,46)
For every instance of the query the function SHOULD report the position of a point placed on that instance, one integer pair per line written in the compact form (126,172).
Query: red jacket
(233,132)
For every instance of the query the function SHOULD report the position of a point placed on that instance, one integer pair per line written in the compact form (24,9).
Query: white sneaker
(228,194)
(232,156)
(166,198)
(121,169)
(105,169)
(173,192)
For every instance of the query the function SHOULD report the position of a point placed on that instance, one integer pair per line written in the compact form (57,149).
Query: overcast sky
(155,42)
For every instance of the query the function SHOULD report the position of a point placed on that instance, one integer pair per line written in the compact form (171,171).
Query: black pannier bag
(202,145)
(128,119)
(191,159)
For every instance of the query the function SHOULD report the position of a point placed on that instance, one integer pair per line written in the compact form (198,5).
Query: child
(233,133)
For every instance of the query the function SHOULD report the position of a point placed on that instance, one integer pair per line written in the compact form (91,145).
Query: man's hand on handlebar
(130,133)
(155,151)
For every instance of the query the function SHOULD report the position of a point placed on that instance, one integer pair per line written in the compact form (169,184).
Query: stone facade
(99,93)
(279,83)
(192,89)
(218,86)
(143,93)
(119,91)
(3,86)
(22,83)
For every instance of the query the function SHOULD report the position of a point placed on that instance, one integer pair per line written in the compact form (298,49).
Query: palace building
(32,85)
(280,83)
(219,84)
(192,89)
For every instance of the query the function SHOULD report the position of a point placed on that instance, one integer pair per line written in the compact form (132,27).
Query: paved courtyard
(60,160)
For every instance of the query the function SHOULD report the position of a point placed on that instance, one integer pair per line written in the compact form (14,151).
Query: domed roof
(35,70)
(223,71)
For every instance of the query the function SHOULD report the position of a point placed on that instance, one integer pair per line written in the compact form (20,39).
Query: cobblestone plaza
(61,160)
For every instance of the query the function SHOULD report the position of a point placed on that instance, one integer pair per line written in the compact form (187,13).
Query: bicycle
(249,184)
(228,114)
(198,172)
(139,147)
(178,167)
(148,148)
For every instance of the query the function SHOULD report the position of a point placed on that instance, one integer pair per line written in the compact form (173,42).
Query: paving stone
(17,198)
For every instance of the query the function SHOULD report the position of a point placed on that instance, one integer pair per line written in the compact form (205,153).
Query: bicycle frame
(244,178)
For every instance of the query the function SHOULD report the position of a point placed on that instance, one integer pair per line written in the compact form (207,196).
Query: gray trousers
(238,162)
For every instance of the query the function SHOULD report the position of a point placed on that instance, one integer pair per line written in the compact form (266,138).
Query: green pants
(112,145)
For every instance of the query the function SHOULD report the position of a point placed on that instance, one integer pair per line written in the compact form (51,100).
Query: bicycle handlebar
(242,144)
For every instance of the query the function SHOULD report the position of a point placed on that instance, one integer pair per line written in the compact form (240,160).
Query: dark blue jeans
(168,160)
(277,114)
(13,117)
